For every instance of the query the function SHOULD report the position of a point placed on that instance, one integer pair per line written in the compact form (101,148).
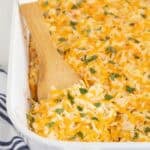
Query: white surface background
(5,24)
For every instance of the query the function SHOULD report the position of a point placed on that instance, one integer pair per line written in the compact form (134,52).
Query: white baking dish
(18,92)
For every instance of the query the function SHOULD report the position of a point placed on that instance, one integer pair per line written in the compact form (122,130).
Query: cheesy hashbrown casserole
(107,43)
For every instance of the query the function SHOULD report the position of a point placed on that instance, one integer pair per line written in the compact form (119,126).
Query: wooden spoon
(53,70)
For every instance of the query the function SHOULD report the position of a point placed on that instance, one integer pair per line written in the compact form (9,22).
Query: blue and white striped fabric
(10,139)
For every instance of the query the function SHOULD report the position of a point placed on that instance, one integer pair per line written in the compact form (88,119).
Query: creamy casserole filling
(107,43)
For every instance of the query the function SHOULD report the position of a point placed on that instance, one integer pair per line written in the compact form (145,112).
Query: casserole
(18,92)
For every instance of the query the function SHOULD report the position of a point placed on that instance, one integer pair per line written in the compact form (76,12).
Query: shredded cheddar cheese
(107,43)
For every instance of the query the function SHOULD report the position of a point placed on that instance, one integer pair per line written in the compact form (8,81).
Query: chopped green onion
(130,89)
(111,62)
(59,110)
(110,49)
(74,7)
(82,48)
(50,124)
(114,75)
(134,40)
(97,104)
(88,31)
(63,11)
(136,135)
(77,5)
(110,13)
(92,70)
(73,24)
(94,118)
(79,108)
(71,98)
(80,134)
(58,100)
(89,59)
(147,130)
(108,97)
(30,118)
(83,90)
(62,39)
(98,29)
(45,3)
(72,138)
(82,114)
(60,51)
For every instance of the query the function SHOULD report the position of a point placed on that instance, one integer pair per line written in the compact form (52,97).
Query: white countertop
(5,24)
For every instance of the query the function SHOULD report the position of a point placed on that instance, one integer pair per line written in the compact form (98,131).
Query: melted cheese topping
(107,43)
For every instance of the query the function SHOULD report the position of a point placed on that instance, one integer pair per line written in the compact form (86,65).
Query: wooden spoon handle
(33,16)
(53,69)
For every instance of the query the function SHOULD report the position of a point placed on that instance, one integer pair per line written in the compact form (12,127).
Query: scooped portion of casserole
(107,43)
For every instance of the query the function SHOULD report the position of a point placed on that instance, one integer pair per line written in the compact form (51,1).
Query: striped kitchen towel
(10,139)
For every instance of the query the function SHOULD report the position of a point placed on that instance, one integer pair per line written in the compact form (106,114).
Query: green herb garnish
(106,12)
(111,62)
(88,31)
(80,134)
(73,137)
(114,75)
(59,110)
(60,51)
(98,29)
(50,124)
(130,89)
(71,98)
(77,5)
(148,117)
(97,104)
(74,7)
(82,48)
(110,50)
(62,39)
(94,118)
(82,114)
(86,59)
(108,97)
(30,118)
(134,40)
(45,3)
(73,24)
(58,100)
(92,70)
(136,135)
(64,12)
(147,130)
(110,13)
(79,108)
(83,90)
